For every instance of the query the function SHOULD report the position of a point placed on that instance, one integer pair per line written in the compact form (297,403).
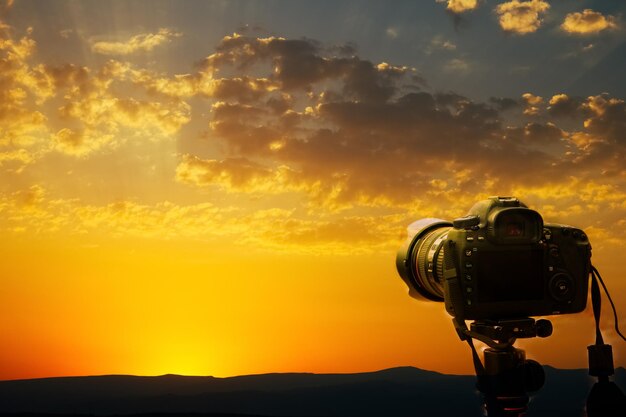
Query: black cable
(595,272)
(478,365)
(596,302)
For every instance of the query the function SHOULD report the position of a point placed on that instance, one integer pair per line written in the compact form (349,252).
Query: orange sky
(237,209)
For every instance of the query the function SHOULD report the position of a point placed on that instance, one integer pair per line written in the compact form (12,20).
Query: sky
(220,187)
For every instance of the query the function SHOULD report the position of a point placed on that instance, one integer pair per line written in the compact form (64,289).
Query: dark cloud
(504,103)
(608,118)
(299,64)
(242,89)
(563,105)
(358,132)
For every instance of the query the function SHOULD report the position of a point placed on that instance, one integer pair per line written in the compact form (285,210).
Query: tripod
(507,376)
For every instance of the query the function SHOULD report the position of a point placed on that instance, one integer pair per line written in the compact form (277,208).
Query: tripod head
(506,377)
(503,331)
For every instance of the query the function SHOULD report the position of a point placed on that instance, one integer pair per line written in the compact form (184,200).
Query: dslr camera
(498,262)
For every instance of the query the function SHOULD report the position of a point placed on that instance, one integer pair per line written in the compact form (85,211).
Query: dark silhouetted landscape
(402,391)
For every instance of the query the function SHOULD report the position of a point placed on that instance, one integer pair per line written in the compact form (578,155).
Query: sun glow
(173,200)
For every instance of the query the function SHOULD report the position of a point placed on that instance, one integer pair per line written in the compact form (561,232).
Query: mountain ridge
(392,392)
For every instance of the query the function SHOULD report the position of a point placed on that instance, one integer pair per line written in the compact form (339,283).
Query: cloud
(607,117)
(392,32)
(96,109)
(33,210)
(504,103)
(346,138)
(587,22)
(532,104)
(102,117)
(66,33)
(563,105)
(344,149)
(299,64)
(457,65)
(599,146)
(139,43)
(5,7)
(82,142)
(440,43)
(460,6)
(238,174)
(23,128)
(521,17)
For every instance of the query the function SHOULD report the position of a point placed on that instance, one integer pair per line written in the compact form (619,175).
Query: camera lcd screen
(513,275)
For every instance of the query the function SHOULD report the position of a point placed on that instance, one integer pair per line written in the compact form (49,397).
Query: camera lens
(420,260)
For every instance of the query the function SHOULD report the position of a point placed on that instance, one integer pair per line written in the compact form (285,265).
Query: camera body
(499,261)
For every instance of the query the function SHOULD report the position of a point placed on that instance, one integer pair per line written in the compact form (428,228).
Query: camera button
(562,287)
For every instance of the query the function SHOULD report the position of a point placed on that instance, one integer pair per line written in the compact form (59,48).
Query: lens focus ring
(429,261)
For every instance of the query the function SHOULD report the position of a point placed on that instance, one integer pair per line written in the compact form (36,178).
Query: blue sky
(467,53)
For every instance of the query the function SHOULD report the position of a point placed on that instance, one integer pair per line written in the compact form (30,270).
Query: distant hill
(393,392)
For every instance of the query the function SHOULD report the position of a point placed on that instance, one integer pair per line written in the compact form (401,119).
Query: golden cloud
(236,174)
(33,211)
(348,136)
(587,22)
(96,109)
(23,129)
(532,104)
(461,6)
(102,117)
(563,105)
(142,43)
(521,17)
(82,142)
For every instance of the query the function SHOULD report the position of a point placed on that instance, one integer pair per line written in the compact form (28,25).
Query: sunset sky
(220,187)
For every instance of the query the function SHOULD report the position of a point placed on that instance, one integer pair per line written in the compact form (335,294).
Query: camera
(500,261)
